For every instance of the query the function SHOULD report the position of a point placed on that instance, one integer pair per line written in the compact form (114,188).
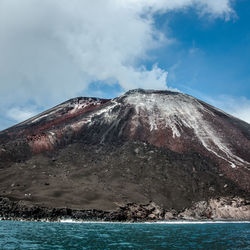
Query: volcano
(145,155)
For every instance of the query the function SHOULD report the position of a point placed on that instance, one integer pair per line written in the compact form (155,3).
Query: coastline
(174,222)
(177,222)
(128,213)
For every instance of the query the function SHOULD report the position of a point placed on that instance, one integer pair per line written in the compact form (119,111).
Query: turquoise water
(39,235)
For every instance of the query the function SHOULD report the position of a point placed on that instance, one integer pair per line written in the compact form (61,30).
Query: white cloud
(243,114)
(214,7)
(18,114)
(236,106)
(54,49)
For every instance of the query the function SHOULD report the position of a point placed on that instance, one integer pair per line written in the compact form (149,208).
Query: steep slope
(143,146)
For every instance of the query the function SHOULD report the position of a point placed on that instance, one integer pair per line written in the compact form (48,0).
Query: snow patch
(176,112)
(74,106)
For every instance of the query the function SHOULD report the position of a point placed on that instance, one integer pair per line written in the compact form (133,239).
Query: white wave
(153,222)
(198,222)
(127,222)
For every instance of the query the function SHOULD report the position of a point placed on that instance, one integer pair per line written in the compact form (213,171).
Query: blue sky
(210,56)
(55,50)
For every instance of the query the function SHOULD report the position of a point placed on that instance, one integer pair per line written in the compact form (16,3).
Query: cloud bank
(55,49)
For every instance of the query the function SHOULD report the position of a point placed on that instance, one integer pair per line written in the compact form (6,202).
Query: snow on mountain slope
(178,112)
(68,109)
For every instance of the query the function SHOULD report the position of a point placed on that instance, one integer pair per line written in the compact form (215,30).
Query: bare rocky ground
(144,156)
(133,181)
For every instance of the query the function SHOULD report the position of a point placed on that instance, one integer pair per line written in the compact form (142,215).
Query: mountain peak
(151,91)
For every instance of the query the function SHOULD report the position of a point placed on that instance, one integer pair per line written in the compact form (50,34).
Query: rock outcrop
(226,208)
(219,209)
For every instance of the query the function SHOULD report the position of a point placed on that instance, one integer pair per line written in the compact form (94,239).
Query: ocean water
(42,235)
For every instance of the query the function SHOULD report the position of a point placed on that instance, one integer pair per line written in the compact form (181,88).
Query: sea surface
(43,235)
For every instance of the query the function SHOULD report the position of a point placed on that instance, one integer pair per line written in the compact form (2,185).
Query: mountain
(146,155)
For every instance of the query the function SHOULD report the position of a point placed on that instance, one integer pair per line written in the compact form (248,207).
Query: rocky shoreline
(221,209)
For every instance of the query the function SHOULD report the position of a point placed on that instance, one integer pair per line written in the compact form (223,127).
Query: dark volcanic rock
(146,155)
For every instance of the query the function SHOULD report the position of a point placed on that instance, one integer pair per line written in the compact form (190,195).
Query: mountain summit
(144,155)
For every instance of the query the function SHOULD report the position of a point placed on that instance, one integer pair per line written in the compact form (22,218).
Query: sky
(54,50)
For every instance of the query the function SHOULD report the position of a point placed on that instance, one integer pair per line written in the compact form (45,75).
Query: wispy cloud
(218,8)
(236,106)
(18,114)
